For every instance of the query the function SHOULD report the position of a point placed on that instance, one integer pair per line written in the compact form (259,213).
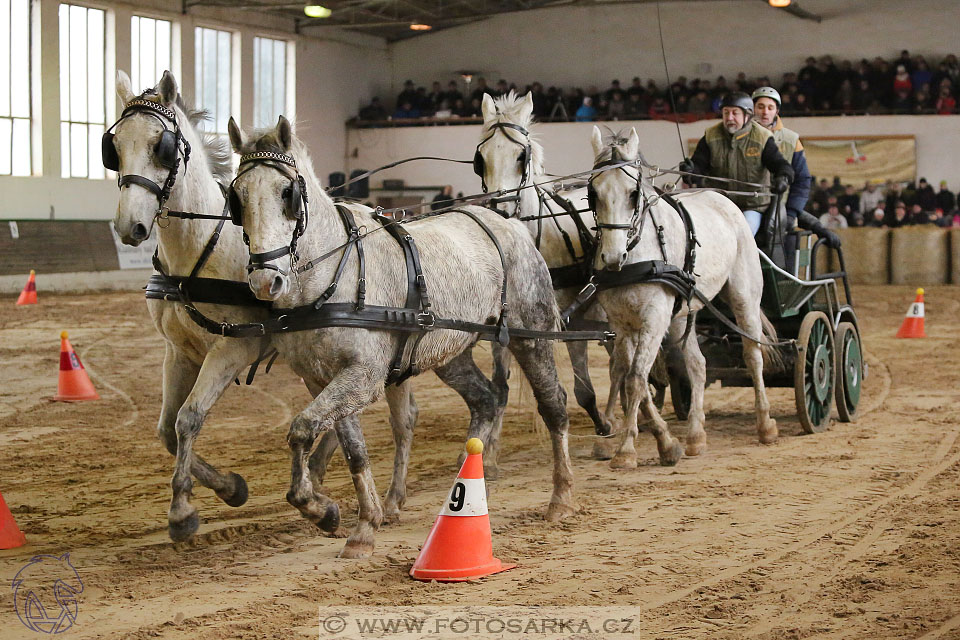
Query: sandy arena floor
(852,533)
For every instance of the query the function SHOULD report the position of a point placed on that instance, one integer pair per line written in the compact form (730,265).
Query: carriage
(825,360)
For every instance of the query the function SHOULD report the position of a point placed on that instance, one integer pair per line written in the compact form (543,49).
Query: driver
(766,101)
(738,148)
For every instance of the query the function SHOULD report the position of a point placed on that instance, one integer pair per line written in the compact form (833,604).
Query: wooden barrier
(55,246)
(919,256)
(866,253)
(955,256)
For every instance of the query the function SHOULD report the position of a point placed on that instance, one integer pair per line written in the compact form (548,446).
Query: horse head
(268,198)
(147,148)
(507,157)
(615,196)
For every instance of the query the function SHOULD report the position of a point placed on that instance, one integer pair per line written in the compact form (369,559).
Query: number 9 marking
(457,497)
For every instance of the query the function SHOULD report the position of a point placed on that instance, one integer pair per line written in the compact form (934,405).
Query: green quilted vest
(738,157)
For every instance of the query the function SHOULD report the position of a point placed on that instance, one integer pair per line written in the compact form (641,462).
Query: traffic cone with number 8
(912,326)
(460,546)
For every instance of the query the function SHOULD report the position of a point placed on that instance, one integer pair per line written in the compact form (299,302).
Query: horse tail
(772,358)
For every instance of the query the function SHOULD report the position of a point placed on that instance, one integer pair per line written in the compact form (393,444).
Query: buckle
(426,320)
(587,292)
(281,322)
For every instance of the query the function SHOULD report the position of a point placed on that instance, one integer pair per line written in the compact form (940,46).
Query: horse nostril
(138,232)
(276,286)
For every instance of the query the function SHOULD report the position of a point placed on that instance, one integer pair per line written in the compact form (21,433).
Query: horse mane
(219,156)
(508,110)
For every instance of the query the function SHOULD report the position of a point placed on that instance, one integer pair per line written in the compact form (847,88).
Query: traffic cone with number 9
(460,546)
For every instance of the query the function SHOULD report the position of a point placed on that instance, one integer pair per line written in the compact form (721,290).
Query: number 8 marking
(457,496)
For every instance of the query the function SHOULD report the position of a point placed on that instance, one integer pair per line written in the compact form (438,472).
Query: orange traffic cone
(74,384)
(912,326)
(459,546)
(10,534)
(29,293)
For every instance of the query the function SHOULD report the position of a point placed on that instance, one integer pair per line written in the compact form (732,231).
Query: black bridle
(635,226)
(169,150)
(479,165)
(295,201)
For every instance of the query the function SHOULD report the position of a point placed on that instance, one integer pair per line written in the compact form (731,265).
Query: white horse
(508,157)
(346,368)
(197,366)
(727,264)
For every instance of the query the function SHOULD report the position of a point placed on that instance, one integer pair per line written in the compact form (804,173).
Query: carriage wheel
(814,372)
(849,371)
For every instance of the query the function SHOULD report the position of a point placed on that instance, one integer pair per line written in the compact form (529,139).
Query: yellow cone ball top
(474,446)
(920,291)
(63,335)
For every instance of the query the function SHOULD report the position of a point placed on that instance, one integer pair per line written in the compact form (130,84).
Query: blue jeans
(754,218)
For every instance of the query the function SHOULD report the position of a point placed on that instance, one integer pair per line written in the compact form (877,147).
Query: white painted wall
(586,44)
(567,146)
(336,74)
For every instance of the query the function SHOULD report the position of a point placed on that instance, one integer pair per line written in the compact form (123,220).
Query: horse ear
(168,89)
(488,108)
(237,140)
(596,139)
(526,106)
(124,87)
(633,144)
(285,133)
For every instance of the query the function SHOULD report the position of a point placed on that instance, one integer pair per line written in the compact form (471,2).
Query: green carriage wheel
(814,373)
(849,371)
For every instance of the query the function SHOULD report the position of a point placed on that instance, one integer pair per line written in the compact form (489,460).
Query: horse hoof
(185,529)
(602,428)
(696,445)
(603,449)
(768,434)
(391,516)
(238,494)
(624,461)
(492,472)
(355,550)
(330,521)
(671,456)
(557,512)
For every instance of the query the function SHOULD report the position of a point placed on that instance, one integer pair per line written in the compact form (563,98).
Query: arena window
(151,51)
(15,89)
(83,86)
(214,77)
(272,80)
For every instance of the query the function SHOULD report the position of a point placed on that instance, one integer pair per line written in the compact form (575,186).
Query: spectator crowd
(895,205)
(905,85)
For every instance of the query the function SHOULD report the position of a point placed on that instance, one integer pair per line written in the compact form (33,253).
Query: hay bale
(918,256)
(866,252)
(954,256)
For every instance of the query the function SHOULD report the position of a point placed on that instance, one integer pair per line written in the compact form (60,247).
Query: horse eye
(286,193)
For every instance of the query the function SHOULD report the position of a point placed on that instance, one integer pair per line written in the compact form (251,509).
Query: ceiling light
(317,11)
(420,27)
(779,4)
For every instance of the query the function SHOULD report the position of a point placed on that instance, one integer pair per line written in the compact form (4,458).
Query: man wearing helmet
(739,149)
(766,101)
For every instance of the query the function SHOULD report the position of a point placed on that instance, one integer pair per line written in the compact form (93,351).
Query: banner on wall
(858,160)
(140,257)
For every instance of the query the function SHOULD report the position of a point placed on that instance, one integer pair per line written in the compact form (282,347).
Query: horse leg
(352,389)
(222,364)
(403,419)
(583,386)
(370,515)
(747,313)
(535,358)
(464,376)
(321,456)
(621,383)
(501,386)
(694,366)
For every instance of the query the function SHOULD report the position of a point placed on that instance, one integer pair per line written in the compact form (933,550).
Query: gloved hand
(781,182)
(687,166)
(833,240)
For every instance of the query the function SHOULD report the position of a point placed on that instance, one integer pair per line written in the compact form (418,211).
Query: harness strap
(504,335)
(352,231)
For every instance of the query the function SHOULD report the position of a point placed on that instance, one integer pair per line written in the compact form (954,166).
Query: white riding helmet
(767,92)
